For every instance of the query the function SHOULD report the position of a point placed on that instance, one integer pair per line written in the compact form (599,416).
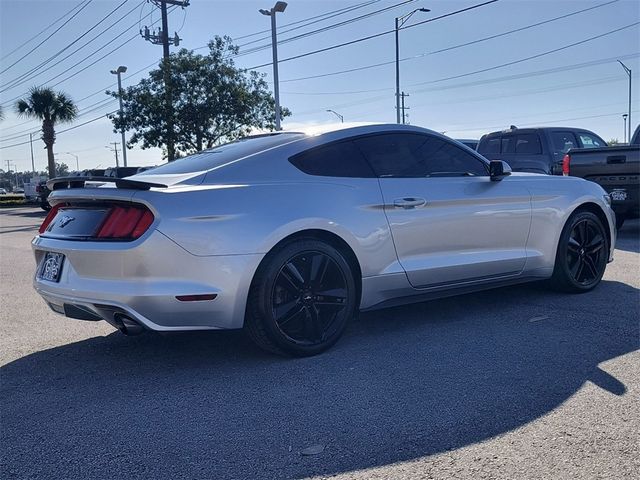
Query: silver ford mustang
(288,235)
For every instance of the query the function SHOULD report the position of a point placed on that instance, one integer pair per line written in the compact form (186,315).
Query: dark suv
(537,150)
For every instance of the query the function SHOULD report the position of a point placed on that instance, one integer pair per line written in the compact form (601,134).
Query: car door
(450,223)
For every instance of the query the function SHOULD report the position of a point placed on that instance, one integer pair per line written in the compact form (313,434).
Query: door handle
(409,202)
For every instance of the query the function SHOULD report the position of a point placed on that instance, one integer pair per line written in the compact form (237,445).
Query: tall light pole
(120,70)
(77,162)
(341,117)
(624,119)
(628,70)
(400,21)
(278,7)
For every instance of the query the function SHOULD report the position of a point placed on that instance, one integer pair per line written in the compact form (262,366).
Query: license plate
(51,267)
(618,195)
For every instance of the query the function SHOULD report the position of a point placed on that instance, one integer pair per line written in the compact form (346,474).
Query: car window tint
(528,144)
(340,159)
(508,144)
(590,141)
(394,154)
(444,158)
(223,154)
(488,146)
(563,141)
(412,155)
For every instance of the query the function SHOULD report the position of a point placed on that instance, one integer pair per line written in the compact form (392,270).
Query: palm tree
(1,114)
(52,108)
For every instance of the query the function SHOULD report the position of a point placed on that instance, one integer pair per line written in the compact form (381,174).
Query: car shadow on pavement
(403,383)
(27,212)
(629,237)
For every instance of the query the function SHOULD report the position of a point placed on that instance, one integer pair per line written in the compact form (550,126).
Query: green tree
(213,101)
(51,108)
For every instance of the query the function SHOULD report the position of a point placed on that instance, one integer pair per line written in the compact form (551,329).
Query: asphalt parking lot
(513,383)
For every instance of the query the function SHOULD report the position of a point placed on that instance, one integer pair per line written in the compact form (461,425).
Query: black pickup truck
(537,150)
(616,169)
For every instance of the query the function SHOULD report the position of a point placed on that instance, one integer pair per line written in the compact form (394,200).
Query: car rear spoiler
(79,182)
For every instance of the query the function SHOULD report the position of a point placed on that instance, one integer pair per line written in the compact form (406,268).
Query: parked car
(537,150)
(3,191)
(288,235)
(42,192)
(121,172)
(19,191)
(616,169)
(472,144)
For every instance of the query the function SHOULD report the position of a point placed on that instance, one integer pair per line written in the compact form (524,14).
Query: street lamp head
(265,12)
(424,10)
(625,115)
(121,69)
(280,7)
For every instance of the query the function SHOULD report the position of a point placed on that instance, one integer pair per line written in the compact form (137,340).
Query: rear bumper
(141,280)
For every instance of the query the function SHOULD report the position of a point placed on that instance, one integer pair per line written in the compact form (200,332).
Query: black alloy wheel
(308,296)
(302,299)
(582,254)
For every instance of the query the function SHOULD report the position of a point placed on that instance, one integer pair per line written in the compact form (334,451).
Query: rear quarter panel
(553,200)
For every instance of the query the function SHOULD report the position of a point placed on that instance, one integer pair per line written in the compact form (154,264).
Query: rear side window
(521,144)
(410,155)
(563,141)
(528,144)
(590,141)
(223,154)
(340,159)
(488,146)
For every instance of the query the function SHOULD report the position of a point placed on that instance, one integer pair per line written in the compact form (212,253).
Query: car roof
(534,130)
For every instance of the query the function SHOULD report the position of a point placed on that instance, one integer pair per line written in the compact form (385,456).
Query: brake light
(566,162)
(50,216)
(125,223)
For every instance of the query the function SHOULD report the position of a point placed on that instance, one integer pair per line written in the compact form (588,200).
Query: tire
(45,206)
(620,221)
(582,254)
(301,299)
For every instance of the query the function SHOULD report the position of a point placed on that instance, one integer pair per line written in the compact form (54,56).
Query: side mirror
(498,170)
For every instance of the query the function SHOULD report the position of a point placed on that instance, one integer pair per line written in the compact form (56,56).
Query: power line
(319,30)
(27,76)
(466,44)
(376,35)
(9,102)
(488,129)
(84,5)
(48,27)
(517,76)
(548,52)
(325,16)
(65,130)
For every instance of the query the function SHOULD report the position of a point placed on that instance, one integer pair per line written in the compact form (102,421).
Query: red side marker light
(196,298)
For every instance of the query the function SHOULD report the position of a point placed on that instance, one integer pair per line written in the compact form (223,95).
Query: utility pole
(33,164)
(403,95)
(120,70)
(115,149)
(400,21)
(162,38)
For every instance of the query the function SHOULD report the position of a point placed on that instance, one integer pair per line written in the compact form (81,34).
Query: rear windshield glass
(217,156)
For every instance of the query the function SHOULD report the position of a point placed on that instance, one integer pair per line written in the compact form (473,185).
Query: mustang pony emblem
(65,220)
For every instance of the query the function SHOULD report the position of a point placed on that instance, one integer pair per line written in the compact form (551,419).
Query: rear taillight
(566,162)
(50,216)
(125,223)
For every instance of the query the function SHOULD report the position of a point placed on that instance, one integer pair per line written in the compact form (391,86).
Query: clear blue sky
(593,96)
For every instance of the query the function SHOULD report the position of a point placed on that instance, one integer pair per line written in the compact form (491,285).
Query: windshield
(223,154)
